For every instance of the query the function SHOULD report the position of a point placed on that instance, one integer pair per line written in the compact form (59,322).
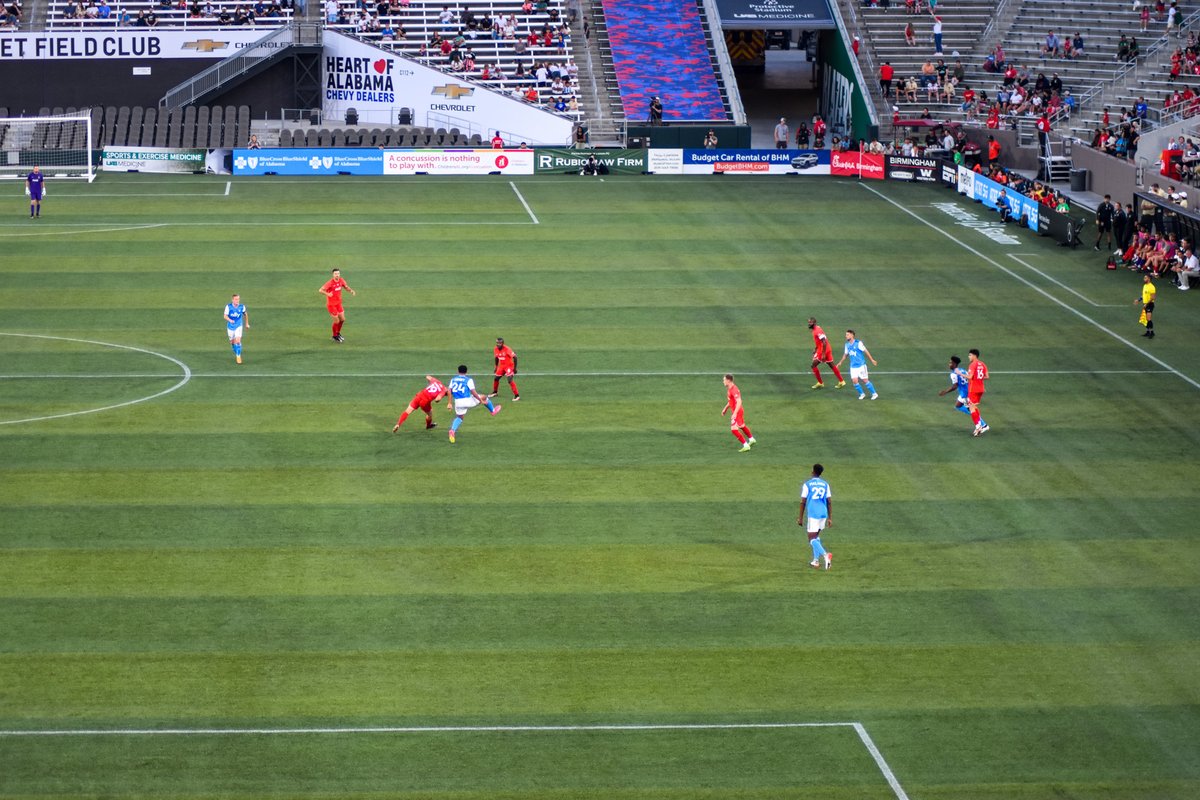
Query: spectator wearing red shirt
(497,142)
(885,79)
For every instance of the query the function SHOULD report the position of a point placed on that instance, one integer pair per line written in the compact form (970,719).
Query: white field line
(1190,381)
(118,229)
(228,187)
(90,195)
(234,373)
(521,197)
(266,223)
(857,727)
(1084,298)
(180,383)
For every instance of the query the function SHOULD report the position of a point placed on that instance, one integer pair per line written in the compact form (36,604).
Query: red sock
(738,435)
(403,417)
(975,416)
(817,372)
(836,374)
(513,385)
(746,431)
(335,328)
(495,385)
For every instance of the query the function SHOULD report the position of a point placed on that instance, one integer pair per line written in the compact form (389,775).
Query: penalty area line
(521,197)
(1190,381)
(865,738)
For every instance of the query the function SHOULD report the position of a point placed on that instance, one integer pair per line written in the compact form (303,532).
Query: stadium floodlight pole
(63,145)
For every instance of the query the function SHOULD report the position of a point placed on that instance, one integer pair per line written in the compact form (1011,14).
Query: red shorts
(974,397)
(422,402)
(505,372)
(738,420)
(823,358)
(334,310)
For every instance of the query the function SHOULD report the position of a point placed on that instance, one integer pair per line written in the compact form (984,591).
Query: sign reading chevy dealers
(377,84)
(457,162)
(136,43)
(307,161)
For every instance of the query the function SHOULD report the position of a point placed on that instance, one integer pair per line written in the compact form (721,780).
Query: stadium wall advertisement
(155,159)
(133,43)
(985,190)
(344,161)
(560,159)
(376,84)
(669,161)
(457,162)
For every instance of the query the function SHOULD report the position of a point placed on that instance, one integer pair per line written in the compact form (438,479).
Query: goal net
(62,145)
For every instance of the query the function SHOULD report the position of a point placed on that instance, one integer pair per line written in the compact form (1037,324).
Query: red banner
(863,165)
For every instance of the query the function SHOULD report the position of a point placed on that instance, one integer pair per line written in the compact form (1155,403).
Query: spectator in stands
(910,35)
(531,95)
(803,135)
(1134,49)
(937,33)
(910,90)
(1123,48)
(446,19)
(1141,108)
(103,10)
(1143,15)
(1187,268)
(710,140)
(1173,19)
(885,79)
(497,141)
(1051,47)
(1077,46)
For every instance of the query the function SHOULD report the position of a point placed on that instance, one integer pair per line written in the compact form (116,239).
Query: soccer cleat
(978,430)
(396,427)
(875,396)
(334,338)
(237,359)
(828,560)
(745,448)
(752,441)
(1151,335)
(340,338)
(818,386)
(862,397)
(815,564)
(428,425)
(516,397)
(984,429)
(496,410)
(840,384)
(491,394)
(451,437)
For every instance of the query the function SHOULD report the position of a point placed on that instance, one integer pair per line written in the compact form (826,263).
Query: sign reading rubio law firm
(139,43)
(307,161)
(627,162)
(458,162)
(377,83)
(154,159)
(755,162)
(809,14)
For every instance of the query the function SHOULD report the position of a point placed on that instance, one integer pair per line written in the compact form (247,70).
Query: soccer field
(233,581)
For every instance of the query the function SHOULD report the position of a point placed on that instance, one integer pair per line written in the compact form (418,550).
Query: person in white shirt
(1190,268)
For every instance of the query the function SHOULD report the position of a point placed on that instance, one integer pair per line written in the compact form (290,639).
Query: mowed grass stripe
(714,567)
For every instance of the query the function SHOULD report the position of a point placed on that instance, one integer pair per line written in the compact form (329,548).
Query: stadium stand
(681,73)
(100,14)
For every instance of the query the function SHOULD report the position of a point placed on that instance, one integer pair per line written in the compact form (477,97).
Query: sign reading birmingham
(808,14)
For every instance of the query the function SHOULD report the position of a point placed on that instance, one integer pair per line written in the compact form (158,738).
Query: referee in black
(1104,221)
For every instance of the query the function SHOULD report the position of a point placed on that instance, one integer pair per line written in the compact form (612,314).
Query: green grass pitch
(231,548)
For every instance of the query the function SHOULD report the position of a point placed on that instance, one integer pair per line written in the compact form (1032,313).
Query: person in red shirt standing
(1043,129)
(424,400)
(506,367)
(737,422)
(332,289)
(822,354)
(977,373)
(886,73)
(497,141)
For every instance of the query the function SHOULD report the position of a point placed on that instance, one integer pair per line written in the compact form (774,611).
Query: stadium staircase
(667,50)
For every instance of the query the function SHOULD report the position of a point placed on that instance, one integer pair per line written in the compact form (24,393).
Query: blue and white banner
(308,161)
(985,190)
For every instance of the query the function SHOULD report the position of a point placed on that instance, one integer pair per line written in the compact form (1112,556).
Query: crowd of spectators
(11,14)
(1149,241)
(1041,193)
(104,13)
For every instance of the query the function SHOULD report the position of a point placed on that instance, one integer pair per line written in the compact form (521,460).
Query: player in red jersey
(737,422)
(506,367)
(424,400)
(822,354)
(332,289)
(977,373)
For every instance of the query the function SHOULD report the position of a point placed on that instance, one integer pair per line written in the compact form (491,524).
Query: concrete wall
(1108,175)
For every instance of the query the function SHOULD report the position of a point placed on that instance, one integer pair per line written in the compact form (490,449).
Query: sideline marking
(1016,257)
(1038,289)
(77,233)
(705,374)
(187,376)
(857,727)
(228,187)
(521,197)
(267,223)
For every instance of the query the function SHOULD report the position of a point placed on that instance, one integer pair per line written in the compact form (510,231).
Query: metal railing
(865,54)
(297,33)
(998,14)
(724,64)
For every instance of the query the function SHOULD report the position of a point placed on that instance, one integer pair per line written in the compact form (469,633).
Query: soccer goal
(62,145)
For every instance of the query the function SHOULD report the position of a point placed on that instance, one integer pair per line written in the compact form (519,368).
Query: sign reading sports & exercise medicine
(377,84)
(154,159)
(139,43)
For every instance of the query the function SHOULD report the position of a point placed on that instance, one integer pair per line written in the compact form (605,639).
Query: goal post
(63,146)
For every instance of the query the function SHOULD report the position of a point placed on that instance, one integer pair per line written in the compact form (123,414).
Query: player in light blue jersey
(958,381)
(858,354)
(817,500)
(463,398)
(236,319)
